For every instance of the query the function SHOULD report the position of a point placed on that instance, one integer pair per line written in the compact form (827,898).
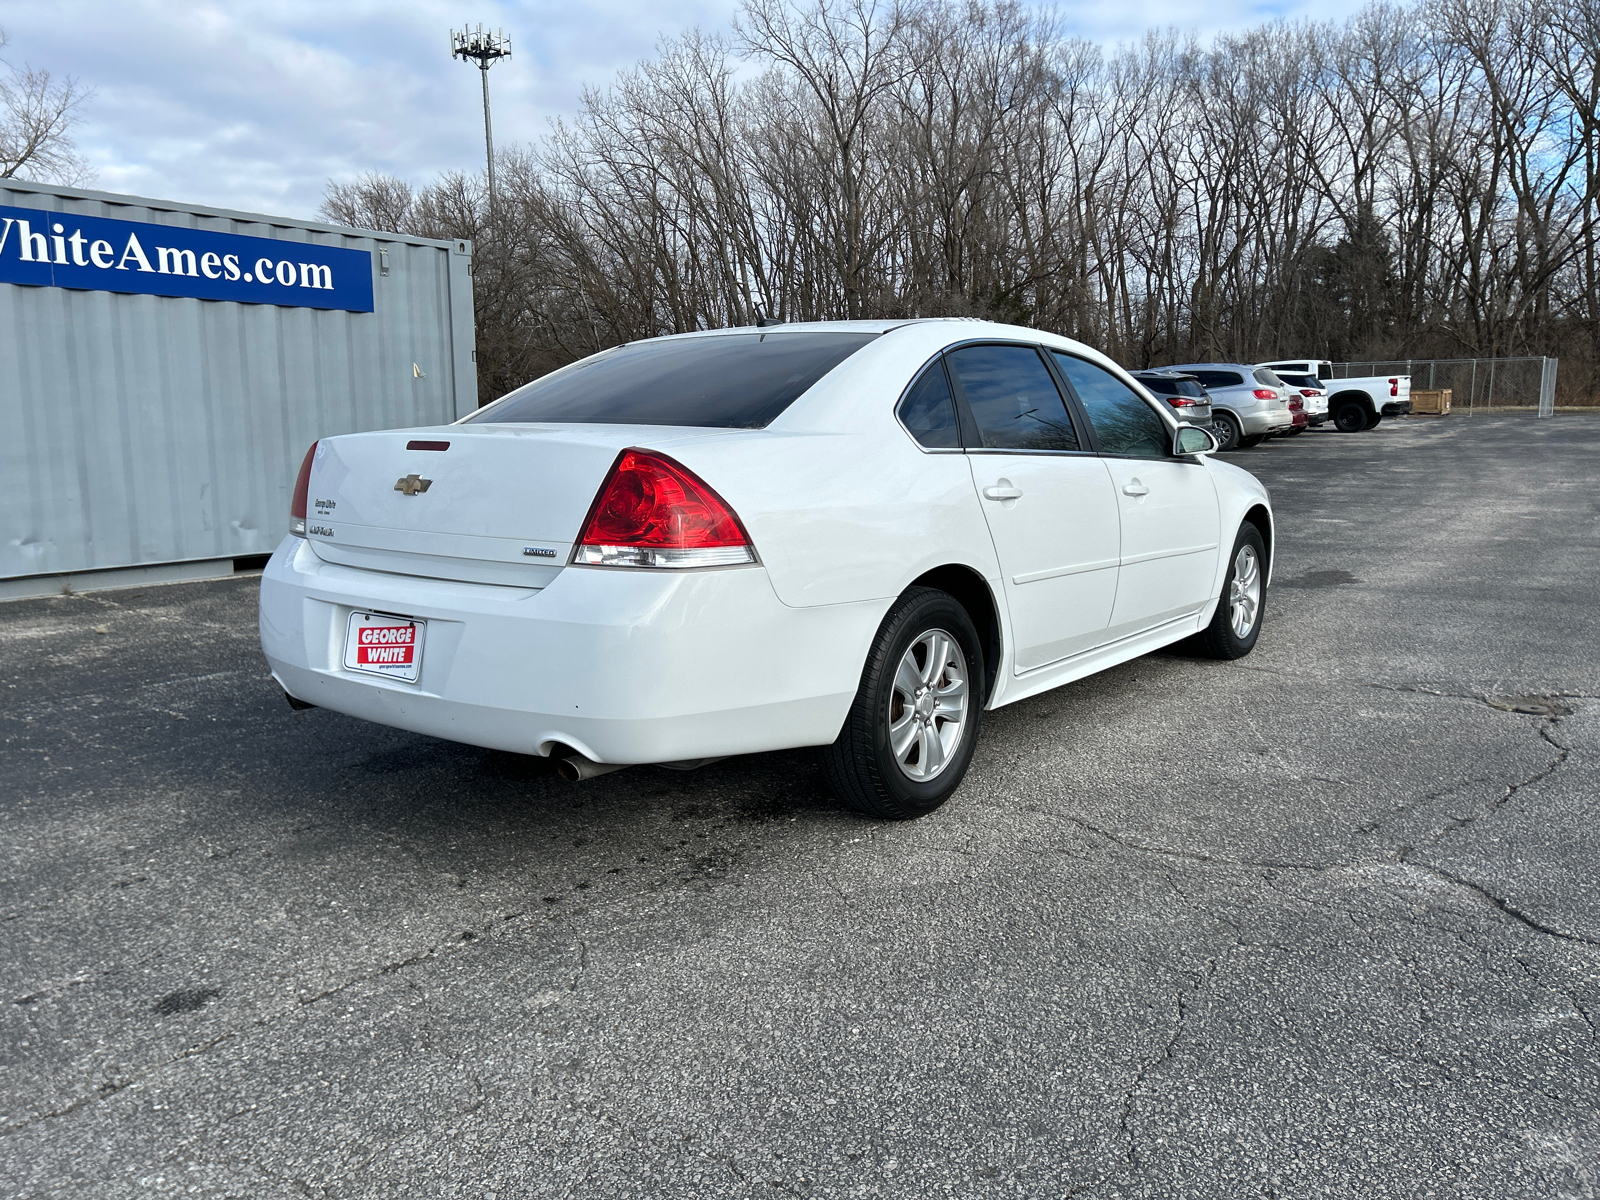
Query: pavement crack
(1124,1121)
(1563,753)
(1198,856)
(1497,903)
(106,1091)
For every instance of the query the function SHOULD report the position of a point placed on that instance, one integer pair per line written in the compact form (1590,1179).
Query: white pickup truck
(1356,403)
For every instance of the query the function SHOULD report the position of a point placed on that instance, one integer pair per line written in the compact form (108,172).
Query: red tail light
(1309,392)
(1296,404)
(1265,394)
(1394,387)
(302,490)
(653,512)
(1182,402)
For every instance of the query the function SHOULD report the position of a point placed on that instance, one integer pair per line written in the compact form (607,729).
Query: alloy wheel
(928,708)
(1244,596)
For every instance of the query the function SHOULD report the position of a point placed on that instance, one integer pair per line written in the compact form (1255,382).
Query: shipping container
(163,368)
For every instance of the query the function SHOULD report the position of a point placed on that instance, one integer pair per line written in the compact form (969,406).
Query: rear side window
(1218,379)
(1013,398)
(1124,423)
(1267,377)
(731,381)
(929,411)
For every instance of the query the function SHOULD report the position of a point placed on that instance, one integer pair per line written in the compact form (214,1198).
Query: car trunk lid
(492,503)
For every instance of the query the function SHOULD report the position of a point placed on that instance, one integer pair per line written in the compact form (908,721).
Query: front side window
(729,381)
(929,410)
(1124,423)
(1013,398)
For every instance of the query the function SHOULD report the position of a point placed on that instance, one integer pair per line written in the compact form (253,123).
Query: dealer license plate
(389,646)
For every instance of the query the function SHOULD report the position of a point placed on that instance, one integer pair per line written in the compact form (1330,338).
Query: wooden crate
(1431,403)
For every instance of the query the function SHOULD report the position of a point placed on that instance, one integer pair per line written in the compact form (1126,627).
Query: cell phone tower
(485,48)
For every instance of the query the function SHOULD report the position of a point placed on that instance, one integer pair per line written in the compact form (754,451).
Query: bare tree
(37,113)
(1414,180)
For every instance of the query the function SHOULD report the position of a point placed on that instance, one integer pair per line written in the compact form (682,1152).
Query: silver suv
(1248,404)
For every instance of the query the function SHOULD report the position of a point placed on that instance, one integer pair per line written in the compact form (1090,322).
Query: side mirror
(1191,439)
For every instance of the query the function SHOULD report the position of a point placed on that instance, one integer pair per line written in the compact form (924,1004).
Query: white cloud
(255,104)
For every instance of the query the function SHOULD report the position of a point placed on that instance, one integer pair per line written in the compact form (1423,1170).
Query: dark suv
(1190,401)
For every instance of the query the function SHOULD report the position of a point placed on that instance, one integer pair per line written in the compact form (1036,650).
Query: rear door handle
(1135,489)
(1002,493)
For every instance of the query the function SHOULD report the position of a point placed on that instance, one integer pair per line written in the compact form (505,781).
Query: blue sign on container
(54,249)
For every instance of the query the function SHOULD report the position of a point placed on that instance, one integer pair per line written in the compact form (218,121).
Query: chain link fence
(1479,385)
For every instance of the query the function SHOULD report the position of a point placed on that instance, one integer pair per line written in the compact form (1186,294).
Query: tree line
(1415,181)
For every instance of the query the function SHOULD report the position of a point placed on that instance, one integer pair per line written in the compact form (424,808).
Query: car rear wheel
(914,723)
(1237,622)
(1350,417)
(1374,420)
(1228,430)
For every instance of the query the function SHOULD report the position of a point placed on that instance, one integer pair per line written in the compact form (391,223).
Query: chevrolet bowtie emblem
(412,484)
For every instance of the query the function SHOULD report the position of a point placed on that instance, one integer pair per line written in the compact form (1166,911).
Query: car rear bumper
(1270,421)
(625,666)
(1397,408)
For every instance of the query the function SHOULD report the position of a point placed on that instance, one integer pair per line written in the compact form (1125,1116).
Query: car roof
(1161,373)
(1212,366)
(781,327)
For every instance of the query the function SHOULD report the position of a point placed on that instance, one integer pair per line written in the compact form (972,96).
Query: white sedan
(853,535)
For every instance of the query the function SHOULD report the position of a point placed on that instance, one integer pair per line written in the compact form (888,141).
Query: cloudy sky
(255,104)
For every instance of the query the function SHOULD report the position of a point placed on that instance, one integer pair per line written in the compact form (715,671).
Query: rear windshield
(1173,387)
(1218,379)
(732,381)
(1301,381)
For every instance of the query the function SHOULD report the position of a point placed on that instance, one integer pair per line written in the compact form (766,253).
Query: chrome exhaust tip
(574,767)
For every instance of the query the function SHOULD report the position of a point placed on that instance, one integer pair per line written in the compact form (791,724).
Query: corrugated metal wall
(151,429)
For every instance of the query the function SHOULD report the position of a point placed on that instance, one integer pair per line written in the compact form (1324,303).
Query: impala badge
(412,484)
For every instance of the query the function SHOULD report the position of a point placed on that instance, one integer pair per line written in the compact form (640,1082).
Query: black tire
(1374,420)
(861,766)
(1219,639)
(1228,430)
(1251,442)
(1350,416)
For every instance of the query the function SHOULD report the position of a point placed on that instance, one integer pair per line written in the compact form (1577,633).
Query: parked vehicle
(1248,404)
(1184,394)
(1313,395)
(852,535)
(1297,415)
(1358,402)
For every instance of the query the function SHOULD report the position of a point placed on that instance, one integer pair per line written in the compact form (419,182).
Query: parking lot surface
(1323,921)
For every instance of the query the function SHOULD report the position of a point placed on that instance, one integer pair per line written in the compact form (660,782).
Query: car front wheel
(1237,623)
(914,723)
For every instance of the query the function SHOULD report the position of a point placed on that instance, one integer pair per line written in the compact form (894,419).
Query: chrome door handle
(1135,489)
(1001,493)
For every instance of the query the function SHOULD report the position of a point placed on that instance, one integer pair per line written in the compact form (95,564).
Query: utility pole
(485,49)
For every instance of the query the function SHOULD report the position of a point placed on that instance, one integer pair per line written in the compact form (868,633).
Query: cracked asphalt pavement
(1324,921)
